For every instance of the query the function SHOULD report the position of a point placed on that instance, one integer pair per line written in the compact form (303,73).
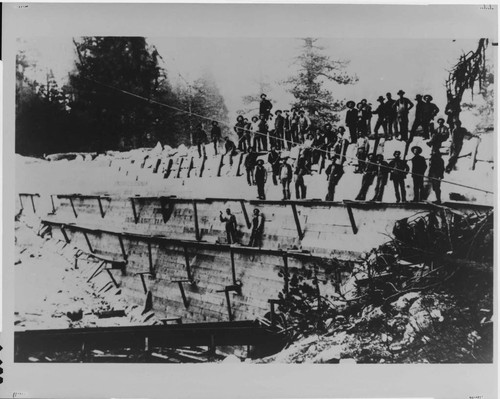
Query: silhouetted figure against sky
(419,166)
(391,117)
(257,229)
(351,119)
(265,107)
(399,169)
(403,106)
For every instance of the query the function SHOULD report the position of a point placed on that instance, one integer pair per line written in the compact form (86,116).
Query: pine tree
(309,85)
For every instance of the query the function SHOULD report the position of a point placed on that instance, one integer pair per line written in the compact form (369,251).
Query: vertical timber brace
(122,247)
(300,233)
(73,206)
(150,259)
(88,242)
(188,266)
(65,234)
(196,226)
(286,275)
(245,213)
(53,204)
(99,200)
(183,294)
(351,219)
(134,210)
(21,201)
(227,289)
(179,169)
(233,268)
(112,278)
(33,203)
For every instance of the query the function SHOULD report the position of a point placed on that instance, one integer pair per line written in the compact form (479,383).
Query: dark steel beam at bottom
(167,336)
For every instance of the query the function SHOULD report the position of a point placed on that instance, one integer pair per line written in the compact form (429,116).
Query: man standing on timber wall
(274,159)
(286,173)
(419,166)
(257,229)
(260,176)
(250,161)
(230,221)
(399,170)
(265,107)
(216,135)
(403,106)
(436,173)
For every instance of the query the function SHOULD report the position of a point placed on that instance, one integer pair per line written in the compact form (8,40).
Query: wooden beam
(100,206)
(228,302)
(53,204)
(245,214)
(122,247)
(65,234)
(286,276)
(73,206)
(196,226)
(136,217)
(21,201)
(179,169)
(33,204)
(183,294)
(88,242)
(112,278)
(300,233)
(233,268)
(188,266)
(351,219)
(150,257)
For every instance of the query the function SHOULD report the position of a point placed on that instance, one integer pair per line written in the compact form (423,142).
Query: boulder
(404,302)
(330,355)
(231,359)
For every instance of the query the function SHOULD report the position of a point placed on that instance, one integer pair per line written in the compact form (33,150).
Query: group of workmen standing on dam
(319,144)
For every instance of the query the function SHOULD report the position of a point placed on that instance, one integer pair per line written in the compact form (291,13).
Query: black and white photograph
(263,199)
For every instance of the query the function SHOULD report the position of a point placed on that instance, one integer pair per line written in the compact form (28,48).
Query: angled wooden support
(179,169)
(219,168)
(157,166)
(227,289)
(202,166)
(33,203)
(108,285)
(73,206)
(97,271)
(245,213)
(53,204)
(21,201)
(188,266)
(190,168)
(144,286)
(351,219)
(88,242)
(134,210)
(65,234)
(300,233)
(167,208)
(183,292)
(196,226)
(122,247)
(233,268)
(286,275)
(150,258)
(101,209)
(272,304)
(112,278)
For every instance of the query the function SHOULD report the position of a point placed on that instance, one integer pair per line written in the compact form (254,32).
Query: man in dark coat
(334,173)
(286,174)
(250,162)
(274,159)
(436,173)
(279,130)
(368,177)
(239,129)
(230,221)
(399,169)
(261,135)
(457,141)
(216,135)
(380,111)
(439,135)
(230,148)
(429,112)
(418,121)
(200,137)
(403,106)
(260,176)
(391,117)
(452,109)
(288,137)
(351,120)
(301,170)
(265,107)
(382,172)
(257,229)
(419,166)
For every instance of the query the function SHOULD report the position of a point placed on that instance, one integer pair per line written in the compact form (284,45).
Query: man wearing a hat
(380,111)
(200,139)
(429,112)
(286,174)
(457,141)
(265,107)
(274,160)
(304,125)
(436,173)
(239,129)
(452,109)
(419,166)
(440,135)
(382,172)
(399,169)
(260,176)
(216,135)
(279,130)
(391,117)
(334,172)
(366,115)
(418,121)
(288,138)
(301,170)
(351,119)
(403,106)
